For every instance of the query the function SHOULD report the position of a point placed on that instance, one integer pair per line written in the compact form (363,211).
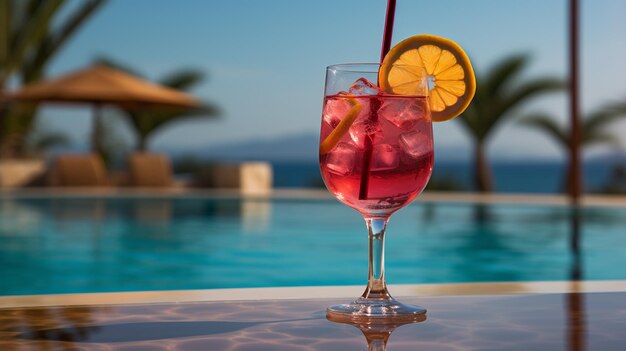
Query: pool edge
(588,200)
(175,296)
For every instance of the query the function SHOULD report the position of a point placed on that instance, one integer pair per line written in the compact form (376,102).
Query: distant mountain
(296,147)
(609,157)
(301,147)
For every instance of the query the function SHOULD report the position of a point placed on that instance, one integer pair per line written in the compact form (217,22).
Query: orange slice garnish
(445,64)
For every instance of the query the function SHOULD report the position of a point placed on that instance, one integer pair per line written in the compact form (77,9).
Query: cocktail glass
(376,156)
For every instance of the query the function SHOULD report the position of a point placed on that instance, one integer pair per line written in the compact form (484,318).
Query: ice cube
(425,126)
(385,156)
(416,144)
(362,87)
(342,158)
(335,110)
(363,128)
(402,113)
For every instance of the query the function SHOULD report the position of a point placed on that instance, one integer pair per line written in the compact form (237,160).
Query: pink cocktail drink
(376,156)
(398,130)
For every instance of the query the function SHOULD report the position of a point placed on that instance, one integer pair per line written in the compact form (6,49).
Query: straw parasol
(99,85)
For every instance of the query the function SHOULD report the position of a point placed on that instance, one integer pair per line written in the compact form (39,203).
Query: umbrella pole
(96,136)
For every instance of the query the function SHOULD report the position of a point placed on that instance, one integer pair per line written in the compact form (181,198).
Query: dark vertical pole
(576,308)
(96,137)
(575,172)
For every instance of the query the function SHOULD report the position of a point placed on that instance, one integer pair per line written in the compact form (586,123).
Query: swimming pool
(90,244)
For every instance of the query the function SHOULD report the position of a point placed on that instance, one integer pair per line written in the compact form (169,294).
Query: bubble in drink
(363,87)
(335,110)
(341,160)
(385,156)
(363,128)
(416,144)
(403,113)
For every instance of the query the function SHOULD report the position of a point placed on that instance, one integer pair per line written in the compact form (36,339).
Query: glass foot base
(377,310)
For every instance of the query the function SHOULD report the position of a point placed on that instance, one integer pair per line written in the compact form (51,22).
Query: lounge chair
(150,170)
(250,178)
(79,171)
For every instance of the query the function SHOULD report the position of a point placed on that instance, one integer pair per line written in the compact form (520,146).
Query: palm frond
(206,110)
(547,125)
(58,38)
(619,106)
(146,123)
(183,79)
(47,140)
(523,93)
(504,73)
(602,117)
(5,36)
(498,93)
(471,122)
(601,137)
(112,63)
(34,29)
(157,119)
(20,13)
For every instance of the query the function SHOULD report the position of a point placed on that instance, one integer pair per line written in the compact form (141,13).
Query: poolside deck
(503,316)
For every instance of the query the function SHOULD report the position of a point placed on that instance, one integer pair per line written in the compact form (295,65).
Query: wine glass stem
(376,286)
(377,345)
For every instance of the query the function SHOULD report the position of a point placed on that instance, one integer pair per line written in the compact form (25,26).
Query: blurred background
(258,68)
(228,94)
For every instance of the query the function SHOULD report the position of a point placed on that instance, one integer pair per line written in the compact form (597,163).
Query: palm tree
(593,130)
(31,33)
(42,139)
(498,94)
(146,122)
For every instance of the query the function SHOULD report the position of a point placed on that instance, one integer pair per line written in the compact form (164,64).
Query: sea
(540,177)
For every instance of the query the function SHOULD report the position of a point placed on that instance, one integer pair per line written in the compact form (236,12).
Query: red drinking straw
(367,156)
(391,11)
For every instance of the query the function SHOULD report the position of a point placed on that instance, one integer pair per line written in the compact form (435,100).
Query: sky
(265,60)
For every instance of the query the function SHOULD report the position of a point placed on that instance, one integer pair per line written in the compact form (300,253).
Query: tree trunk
(3,115)
(10,146)
(570,180)
(482,173)
(16,122)
(142,143)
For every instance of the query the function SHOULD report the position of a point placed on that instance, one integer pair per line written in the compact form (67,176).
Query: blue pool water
(54,245)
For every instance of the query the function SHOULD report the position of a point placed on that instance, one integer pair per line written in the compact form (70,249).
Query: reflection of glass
(376,155)
(376,333)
